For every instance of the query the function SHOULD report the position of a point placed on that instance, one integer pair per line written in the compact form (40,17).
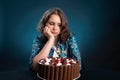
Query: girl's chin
(55,35)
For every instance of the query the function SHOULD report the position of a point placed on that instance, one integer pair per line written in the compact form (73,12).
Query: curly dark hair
(65,33)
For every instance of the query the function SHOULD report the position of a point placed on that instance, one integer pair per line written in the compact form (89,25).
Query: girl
(55,40)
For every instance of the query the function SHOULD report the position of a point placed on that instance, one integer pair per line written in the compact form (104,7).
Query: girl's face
(54,24)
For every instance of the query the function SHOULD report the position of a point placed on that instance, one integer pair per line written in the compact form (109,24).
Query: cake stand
(45,79)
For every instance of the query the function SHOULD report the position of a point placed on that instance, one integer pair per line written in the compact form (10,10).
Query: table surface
(25,74)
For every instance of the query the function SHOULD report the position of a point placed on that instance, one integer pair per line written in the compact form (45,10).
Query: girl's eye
(51,23)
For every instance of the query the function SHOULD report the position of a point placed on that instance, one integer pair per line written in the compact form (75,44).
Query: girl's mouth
(54,32)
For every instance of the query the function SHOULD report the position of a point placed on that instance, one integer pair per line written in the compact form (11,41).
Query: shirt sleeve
(36,47)
(74,49)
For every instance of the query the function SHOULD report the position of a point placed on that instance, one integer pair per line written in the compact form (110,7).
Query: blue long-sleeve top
(68,49)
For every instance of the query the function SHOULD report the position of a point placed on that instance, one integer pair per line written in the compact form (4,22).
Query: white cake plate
(45,79)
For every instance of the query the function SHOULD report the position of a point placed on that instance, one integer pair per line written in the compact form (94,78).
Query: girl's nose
(55,27)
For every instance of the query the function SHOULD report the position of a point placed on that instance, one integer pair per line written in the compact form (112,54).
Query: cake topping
(48,60)
(57,61)
(73,61)
(46,63)
(68,64)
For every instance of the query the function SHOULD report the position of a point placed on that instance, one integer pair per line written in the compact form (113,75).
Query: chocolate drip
(60,73)
(78,68)
(56,72)
(65,73)
(72,72)
(44,72)
(47,72)
(76,75)
(68,72)
(41,71)
(52,72)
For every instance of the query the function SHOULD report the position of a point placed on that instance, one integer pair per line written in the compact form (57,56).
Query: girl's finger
(45,29)
(48,30)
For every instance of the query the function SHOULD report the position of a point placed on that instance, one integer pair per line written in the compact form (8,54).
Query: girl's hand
(47,33)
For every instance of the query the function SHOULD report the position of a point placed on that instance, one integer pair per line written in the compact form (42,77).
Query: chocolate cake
(58,69)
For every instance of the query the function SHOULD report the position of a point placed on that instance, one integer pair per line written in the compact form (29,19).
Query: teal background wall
(96,24)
